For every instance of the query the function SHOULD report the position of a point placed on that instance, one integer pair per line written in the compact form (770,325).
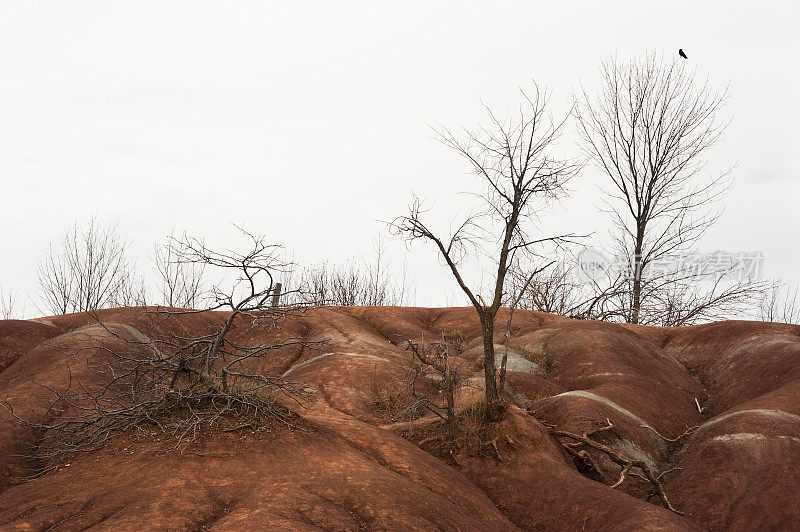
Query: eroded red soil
(349,468)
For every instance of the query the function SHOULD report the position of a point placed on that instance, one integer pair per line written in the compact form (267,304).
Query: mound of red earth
(712,407)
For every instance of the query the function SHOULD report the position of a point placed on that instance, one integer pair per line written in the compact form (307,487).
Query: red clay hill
(350,466)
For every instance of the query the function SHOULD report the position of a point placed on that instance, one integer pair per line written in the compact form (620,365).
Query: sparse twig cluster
(350,284)
(673,298)
(432,360)
(180,283)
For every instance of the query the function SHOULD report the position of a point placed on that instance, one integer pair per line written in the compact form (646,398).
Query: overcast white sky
(310,121)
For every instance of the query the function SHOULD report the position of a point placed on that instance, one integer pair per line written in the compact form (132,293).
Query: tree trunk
(637,277)
(494,404)
(637,295)
(449,390)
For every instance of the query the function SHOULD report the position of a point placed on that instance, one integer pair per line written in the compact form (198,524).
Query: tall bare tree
(513,160)
(86,270)
(649,129)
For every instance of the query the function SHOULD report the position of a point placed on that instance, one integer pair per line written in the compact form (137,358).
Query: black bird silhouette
(681,53)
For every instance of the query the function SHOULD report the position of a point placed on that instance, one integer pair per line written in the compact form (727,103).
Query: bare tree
(177,381)
(649,130)
(86,271)
(552,289)
(9,304)
(249,297)
(180,284)
(677,297)
(780,303)
(382,290)
(513,161)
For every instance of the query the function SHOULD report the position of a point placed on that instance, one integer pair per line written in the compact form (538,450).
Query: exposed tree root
(627,464)
(687,432)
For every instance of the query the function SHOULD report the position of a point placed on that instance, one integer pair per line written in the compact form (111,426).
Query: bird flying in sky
(682,54)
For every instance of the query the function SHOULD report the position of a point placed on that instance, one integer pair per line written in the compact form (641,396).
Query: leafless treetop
(649,130)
